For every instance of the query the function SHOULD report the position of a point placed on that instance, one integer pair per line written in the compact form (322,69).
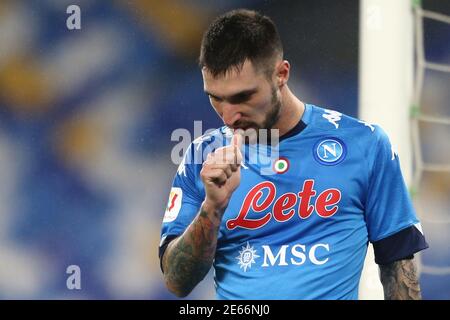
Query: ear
(282,72)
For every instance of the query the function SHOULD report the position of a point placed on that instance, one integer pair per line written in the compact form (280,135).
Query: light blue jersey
(302,231)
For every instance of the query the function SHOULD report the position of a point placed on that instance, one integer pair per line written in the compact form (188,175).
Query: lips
(246,127)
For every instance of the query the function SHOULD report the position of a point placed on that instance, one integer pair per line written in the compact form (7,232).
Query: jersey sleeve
(184,201)
(392,224)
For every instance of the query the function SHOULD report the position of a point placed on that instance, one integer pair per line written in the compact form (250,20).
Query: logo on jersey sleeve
(173,205)
(333,117)
(182,167)
(246,257)
(371,126)
(330,151)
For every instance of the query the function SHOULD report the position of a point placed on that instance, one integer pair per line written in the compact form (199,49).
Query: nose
(230,114)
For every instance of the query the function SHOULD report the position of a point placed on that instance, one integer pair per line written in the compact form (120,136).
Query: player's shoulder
(213,138)
(327,118)
(195,151)
(330,121)
(208,142)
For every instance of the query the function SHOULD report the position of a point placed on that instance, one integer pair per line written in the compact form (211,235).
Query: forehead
(234,80)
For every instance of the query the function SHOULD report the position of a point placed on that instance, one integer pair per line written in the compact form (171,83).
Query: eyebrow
(239,94)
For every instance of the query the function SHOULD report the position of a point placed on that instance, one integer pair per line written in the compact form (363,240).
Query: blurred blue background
(86,118)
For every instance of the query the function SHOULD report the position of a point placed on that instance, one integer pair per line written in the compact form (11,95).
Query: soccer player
(298,228)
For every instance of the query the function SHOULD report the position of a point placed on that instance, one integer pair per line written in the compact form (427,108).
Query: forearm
(400,281)
(189,257)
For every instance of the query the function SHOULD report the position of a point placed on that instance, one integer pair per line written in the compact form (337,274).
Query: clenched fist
(221,173)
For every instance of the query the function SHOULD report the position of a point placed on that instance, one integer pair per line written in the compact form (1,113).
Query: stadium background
(86,118)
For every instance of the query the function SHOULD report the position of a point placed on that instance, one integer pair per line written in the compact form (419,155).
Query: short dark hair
(239,35)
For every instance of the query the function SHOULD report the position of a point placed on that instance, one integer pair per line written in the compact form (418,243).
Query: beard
(273,115)
(262,133)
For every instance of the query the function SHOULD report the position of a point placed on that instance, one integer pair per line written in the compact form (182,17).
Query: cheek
(262,104)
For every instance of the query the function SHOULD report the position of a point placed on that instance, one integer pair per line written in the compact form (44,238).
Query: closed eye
(237,98)
(240,98)
(212,97)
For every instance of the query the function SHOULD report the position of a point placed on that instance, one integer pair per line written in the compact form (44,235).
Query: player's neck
(292,110)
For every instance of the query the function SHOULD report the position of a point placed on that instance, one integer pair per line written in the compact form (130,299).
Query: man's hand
(189,257)
(221,173)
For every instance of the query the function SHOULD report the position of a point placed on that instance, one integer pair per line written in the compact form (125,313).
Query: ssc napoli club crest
(329,151)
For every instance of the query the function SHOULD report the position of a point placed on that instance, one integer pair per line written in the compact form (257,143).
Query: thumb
(237,141)
(238,138)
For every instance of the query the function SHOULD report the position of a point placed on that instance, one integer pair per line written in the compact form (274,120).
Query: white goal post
(386,64)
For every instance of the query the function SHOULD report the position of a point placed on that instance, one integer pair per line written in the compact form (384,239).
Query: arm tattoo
(189,257)
(400,281)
